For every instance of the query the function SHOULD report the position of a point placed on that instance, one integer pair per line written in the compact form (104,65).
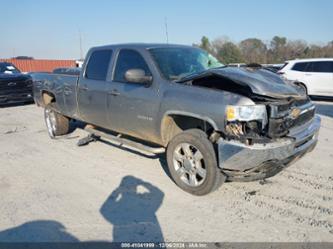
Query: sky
(50,29)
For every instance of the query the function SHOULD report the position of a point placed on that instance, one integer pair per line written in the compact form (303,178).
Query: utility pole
(166,29)
(81,53)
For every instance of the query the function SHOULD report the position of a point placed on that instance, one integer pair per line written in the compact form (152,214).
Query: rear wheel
(56,123)
(192,163)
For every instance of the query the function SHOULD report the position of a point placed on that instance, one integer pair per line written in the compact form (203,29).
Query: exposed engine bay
(274,114)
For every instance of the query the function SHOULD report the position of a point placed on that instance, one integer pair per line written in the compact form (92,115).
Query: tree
(205,44)
(253,50)
(277,52)
(296,49)
(228,52)
(278,42)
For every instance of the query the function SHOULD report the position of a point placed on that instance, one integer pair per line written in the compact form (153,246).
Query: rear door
(92,93)
(69,88)
(132,107)
(319,77)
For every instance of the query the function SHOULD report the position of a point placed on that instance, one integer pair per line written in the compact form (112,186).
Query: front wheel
(192,163)
(56,123)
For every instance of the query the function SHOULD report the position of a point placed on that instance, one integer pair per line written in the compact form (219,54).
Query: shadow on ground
(37,231)
(5,105)
(130,208)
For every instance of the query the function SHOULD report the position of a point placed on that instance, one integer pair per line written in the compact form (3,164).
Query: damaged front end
(261,139)
(264,122)
(259,148)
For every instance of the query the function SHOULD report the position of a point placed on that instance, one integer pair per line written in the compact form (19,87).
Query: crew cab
(15,87)
(215,122)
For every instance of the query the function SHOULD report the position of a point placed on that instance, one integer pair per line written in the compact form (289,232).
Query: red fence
(40,65)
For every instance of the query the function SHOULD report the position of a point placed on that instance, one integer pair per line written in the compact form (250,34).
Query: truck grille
(15,85)
(303,118)
(281,119)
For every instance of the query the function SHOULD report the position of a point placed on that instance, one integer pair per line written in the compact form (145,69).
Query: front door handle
(114,92)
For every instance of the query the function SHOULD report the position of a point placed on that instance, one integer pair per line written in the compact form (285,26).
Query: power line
(81,52)
(166,29)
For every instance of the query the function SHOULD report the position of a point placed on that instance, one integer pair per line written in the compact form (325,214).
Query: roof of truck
(142,45)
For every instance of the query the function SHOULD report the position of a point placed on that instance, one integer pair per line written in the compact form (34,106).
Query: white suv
(315,74)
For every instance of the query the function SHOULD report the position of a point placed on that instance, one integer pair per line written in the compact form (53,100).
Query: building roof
(39,65)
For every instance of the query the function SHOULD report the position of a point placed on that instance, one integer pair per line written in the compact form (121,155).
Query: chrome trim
(238,156)
(304,108)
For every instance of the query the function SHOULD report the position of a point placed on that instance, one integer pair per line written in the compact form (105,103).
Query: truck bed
(62,86)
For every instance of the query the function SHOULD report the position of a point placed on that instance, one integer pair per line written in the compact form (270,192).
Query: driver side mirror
(138,76)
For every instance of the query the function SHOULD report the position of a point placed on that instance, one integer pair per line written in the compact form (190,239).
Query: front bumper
(16,98)
(235,156)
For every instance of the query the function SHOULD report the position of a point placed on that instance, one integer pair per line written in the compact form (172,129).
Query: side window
(300,66)
(321,67)
(129,59)
(98,65)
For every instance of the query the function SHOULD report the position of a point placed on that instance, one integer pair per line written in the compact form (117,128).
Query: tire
(56,123)
(192,163)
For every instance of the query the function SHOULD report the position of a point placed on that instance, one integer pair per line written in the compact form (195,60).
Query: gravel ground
(52,190)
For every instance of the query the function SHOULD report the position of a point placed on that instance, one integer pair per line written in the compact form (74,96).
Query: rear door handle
(38,83)
(67,90)
(114,93)
(84,88)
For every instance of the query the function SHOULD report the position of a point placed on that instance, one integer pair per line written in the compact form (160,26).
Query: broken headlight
(247,113)
(245,122)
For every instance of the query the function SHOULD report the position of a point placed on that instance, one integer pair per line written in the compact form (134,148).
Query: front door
(132,107)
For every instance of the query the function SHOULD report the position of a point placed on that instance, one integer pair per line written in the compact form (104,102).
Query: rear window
(300,66)
(98,65)
(321,67)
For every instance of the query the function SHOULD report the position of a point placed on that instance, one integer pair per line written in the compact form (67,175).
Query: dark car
(15,87)
(67,70)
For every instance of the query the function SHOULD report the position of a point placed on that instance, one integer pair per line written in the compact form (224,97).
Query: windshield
(176,63)
(7,68)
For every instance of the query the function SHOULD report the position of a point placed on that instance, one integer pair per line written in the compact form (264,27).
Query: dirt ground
(52,190)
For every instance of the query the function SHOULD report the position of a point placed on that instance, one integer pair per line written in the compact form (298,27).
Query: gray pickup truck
(216,123)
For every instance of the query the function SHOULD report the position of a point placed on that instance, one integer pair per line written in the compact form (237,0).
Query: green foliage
(205,44)
(229,53)
(253,50)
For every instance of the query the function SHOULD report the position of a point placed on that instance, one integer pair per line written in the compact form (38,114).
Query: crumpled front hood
(260,81)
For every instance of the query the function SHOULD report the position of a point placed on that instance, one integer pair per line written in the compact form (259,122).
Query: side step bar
(124,141)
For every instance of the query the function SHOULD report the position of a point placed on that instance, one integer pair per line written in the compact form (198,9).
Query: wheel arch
(303,84)
(47,98)
(174,122)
